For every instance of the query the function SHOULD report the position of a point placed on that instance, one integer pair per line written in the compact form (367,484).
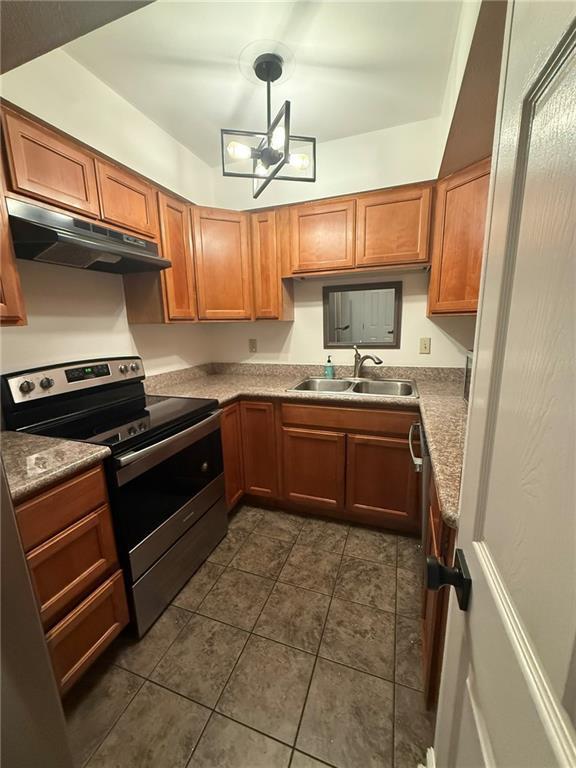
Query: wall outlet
(252,345)
(425,345)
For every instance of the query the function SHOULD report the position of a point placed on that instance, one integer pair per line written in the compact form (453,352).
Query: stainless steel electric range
(165,473)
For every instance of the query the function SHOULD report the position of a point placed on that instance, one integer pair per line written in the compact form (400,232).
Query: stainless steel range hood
(40,234)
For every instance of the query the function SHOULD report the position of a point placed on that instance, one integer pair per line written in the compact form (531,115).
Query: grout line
(305,702)
(109,730)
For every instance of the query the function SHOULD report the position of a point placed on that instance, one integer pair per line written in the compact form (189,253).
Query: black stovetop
(136,422)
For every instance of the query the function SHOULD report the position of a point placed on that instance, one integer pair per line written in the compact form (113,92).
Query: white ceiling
(356,66)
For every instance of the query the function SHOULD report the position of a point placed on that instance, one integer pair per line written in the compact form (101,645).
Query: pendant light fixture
(273,153)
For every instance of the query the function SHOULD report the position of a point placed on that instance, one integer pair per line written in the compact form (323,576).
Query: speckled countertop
(440,401)
(34,462)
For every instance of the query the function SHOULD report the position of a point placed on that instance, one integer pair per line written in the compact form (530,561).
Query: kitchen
(234,438)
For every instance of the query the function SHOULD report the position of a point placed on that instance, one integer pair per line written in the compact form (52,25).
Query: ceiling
(353,67)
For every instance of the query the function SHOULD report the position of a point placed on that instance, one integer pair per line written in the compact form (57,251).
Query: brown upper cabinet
(392,226)
(458,240)
(273,298)
(12,311)
(179,283)
(322,235)
(127,200)
(47,166)
(222,255)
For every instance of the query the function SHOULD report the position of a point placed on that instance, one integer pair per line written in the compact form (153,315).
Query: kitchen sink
(324,385)
(390,387)
(385,387)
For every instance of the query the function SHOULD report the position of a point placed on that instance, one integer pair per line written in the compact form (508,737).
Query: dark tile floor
(296,644)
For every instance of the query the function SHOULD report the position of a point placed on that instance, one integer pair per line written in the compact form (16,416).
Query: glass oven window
(149,500)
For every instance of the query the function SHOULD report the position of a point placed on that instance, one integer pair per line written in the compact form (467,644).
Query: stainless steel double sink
(390,387)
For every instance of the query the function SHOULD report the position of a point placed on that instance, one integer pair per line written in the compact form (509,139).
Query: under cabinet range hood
(40,234)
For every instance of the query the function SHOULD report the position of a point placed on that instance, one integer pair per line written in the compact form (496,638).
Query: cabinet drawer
(76,641)
(349,419)
(56,509)
(127,200)
(67,566)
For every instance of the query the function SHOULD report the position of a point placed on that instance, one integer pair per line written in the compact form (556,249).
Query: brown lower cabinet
(381,484)
(258,422)
(440,543)
(313,467)
(232,454)
(67,535)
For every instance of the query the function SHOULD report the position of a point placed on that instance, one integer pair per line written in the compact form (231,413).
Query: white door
(508,695)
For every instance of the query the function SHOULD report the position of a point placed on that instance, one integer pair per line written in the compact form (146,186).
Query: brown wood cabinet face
(176,231)
(322,236)
(70,564)
(259,448)
(47,166)
(393,423)
(222,255)
(392,227)
(458,240)
(381,485)
(314,468)
(49,513)
(12,310)
(76,641)
(231,429)
(265,265)
(127,200)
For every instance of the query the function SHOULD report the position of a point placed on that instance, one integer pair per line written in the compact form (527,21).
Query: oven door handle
(170,445)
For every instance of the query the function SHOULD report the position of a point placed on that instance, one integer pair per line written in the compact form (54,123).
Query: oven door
(163,489)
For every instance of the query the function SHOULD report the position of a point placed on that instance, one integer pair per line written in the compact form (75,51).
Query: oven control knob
(134,367)
(46,382)
(27,386)
(123,368)
(132,431)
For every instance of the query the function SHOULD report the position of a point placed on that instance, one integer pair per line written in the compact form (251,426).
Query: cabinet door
(222,264)
(381,484)
(45,165)
(265,265)
(176,231)
(127,200)
(12,311)
(322,236)
(314,467)
(232,452)
(259,448)
(459,220)
(392,227)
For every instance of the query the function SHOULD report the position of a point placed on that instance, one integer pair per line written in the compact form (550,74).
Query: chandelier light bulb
(299,160)
(239,151)
(261,170)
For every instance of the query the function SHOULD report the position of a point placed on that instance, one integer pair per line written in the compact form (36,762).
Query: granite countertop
(34,462)
(442,407)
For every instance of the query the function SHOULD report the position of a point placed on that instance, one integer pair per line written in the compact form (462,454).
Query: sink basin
(324,385)
(385,387)
(393,387)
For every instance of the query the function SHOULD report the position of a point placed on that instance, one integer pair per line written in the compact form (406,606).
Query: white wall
(65,94)
(75,315)
(385,158)
(302,341)
(466,26)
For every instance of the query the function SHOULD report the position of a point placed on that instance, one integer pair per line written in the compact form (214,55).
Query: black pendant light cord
(269,107)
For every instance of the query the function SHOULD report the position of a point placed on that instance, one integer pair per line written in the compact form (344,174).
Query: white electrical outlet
(425,345)
(252,345)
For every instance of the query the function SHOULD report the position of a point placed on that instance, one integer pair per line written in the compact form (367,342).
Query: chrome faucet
(360,359)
